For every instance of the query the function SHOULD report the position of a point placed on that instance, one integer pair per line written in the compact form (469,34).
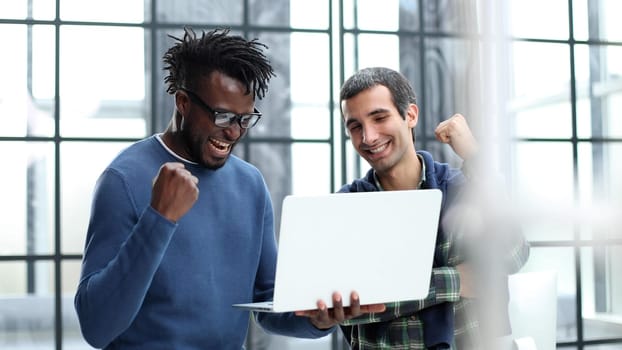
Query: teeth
(219,144)
(379,149)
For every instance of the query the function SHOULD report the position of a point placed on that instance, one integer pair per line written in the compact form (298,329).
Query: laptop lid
(379,244)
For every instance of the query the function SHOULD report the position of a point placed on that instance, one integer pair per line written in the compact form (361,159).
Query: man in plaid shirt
(380,113)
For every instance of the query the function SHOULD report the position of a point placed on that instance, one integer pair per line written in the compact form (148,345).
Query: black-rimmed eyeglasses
(225,119)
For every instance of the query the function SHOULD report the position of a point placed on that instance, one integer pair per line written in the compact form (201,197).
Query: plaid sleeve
(444,287)
(446,284)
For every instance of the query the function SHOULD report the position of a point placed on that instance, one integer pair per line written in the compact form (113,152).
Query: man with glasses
(180,228)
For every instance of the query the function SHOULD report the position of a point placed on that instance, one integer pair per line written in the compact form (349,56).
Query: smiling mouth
(219,145)
(378,149)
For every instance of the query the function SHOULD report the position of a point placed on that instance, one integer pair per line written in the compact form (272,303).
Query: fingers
(324,317)
(179,169)
(375,308)
(355,305)
(338,312)
(175,190)
(356,309)
(449,128)
(456,132)
(321,317)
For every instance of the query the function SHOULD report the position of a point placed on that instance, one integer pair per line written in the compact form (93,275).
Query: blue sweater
(148,283)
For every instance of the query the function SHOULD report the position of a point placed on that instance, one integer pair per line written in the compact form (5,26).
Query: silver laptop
(379,244)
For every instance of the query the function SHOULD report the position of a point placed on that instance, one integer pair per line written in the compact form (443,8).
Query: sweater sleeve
(288,324)
(123,251)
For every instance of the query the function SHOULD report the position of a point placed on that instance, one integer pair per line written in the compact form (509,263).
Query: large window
(541,80)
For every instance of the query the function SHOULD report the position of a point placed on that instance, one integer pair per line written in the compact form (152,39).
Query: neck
(173,138)
(404,176)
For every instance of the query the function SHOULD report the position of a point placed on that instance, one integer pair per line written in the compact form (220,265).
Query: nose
(369,134)
(234,131)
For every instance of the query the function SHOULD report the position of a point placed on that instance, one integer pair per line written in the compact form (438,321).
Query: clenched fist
(456,132)
(174,191)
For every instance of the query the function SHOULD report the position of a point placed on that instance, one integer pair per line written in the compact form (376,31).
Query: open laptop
(379,244)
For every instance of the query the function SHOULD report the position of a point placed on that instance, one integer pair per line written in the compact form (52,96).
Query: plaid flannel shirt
(399,326)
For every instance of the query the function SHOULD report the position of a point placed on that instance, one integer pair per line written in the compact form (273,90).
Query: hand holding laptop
(325,317)
(385,243)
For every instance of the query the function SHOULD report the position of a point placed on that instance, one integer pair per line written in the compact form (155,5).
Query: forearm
(109,297)
(288,324)
(517,253)
(485,192)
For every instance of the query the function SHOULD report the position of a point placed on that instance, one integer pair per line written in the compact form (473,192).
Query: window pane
(409,15)
(27,103)
(614,346)
(457,16)
(369,55)
(72,337)
(41,114)
(562,261)
(26,305)
(552,61)
(108,101)
(294,13)
(270,12)
(14,97)
(372,15)
(275,163)
(548,120)
(81,165)
(310,88)
(14,280)
(542,106)
(611,27)
(310,122)
(600,186)
(544,189)
(451,67)
(124,11)
(200,11)
(356,166)
(603,15)
(278,101)
(580,18)
(350,58)
(28,192)
(310,168)
(539,19)
(309,14)
(599,87)
(602,291)
(584,98)
(31,9)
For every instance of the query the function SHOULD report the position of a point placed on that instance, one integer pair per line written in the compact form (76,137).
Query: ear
(412,115)
(181,102)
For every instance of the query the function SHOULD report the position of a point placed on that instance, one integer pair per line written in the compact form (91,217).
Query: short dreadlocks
(193,58)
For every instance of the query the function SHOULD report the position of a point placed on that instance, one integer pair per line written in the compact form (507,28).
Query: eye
(354,127)
(225,115)
(381,118)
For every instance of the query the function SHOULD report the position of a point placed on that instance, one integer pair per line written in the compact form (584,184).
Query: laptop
(379,244)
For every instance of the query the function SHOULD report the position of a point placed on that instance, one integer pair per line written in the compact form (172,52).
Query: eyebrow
(370,114)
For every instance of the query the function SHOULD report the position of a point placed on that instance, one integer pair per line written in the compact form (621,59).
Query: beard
(195,146)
